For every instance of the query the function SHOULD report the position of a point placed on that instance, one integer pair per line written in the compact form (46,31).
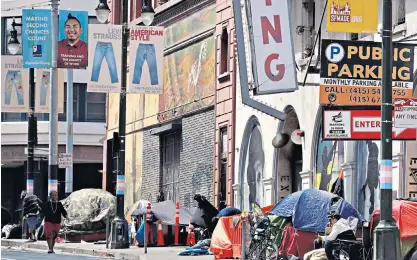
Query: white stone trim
(306,179)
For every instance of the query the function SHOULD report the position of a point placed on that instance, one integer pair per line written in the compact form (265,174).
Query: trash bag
(204,214)
(5,231)
(87,211)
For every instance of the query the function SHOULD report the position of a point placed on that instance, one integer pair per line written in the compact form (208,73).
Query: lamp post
(13,46)
(119,225)
(386,235)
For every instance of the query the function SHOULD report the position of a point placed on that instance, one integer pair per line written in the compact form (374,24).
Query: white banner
(104,58)
(273,54)
(146,60)
(42,90)
(15,82)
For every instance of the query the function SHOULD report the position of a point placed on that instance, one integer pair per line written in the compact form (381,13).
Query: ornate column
(307,179)
(236,195)
(268,191)
(349,181)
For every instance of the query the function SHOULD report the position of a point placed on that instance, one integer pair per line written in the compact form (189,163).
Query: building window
(171,147)
(96,107)
(63,116)
(401,12)
(224,51)
(11,117)
(223,168)
(8,27)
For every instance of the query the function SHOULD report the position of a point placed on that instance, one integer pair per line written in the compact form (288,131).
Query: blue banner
(36,38)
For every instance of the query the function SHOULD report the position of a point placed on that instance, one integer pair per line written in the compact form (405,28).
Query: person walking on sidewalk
(53,209)
(31,209)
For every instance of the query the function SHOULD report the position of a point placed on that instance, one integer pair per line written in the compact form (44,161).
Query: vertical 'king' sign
(36,38)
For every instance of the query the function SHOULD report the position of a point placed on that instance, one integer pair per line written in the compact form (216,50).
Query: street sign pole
(69,147)
(386,236)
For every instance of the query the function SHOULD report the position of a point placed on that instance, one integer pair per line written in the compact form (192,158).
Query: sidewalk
(133,253)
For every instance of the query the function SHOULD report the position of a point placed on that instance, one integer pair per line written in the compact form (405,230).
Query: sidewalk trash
(201,248)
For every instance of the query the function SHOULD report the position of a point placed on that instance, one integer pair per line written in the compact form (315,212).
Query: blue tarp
(309,208)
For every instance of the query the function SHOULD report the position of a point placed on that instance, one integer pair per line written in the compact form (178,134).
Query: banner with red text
(146,60)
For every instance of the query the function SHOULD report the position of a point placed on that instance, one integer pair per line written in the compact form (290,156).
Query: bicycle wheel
(257,251)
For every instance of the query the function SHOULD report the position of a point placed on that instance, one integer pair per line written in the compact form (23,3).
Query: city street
(24,255)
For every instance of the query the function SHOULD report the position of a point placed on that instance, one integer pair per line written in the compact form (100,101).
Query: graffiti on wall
(191,26)
(254,170)
(411,170)
(330,157)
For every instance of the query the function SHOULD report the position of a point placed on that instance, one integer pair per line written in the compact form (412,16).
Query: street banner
(15,93)
(352,16)
(36,38)
(42,88)
(405,112)
(273,59)
(359,125)
(104,54)
(351,72)
(73,39)
(146,60)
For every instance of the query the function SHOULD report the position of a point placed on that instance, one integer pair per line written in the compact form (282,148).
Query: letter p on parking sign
(335,52)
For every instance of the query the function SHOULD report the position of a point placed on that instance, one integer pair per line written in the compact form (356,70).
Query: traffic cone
(191,235)
(160,241)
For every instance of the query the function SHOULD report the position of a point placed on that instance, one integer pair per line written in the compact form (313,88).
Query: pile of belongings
(12,231)
(88,210)
(201,248)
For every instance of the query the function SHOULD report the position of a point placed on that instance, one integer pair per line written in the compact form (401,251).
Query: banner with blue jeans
(15,85)
(43,87)
(146,59)
(36,38)
(104,54)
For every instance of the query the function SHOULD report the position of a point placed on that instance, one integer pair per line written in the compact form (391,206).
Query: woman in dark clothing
(53,210)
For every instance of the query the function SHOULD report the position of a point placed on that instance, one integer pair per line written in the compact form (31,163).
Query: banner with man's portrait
(73,39)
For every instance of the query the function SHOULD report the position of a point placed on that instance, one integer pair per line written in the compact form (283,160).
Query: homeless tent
(87,210)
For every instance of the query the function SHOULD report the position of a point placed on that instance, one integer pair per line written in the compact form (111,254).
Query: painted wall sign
(405,112)
(359,125)
(351,72)
(272,53)
(352,16)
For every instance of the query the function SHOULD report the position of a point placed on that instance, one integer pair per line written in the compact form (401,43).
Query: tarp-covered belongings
(201,248)
(309,208)
(165,211)
(405,215)
(229,211)
(87,211)
(141,204)
(204,214)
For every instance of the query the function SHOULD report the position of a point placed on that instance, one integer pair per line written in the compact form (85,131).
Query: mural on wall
(367,169)
(254,170)
(191,26)
(189,77)
(330,157)
(189,73)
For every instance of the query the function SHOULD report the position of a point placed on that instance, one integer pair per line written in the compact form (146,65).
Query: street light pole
(119,226)
(386,236)
(53,104)
(13,46)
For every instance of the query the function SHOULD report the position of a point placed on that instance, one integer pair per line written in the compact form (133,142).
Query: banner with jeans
(42,88)
(36,38)
(15,85)
(146,60)
(104,55)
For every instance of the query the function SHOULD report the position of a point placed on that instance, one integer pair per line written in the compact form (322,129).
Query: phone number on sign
(377,91)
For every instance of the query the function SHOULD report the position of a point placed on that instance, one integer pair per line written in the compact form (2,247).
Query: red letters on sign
(268,2)
(280,68)
(267,28)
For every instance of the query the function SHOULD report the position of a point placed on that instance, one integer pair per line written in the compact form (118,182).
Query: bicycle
(262,246)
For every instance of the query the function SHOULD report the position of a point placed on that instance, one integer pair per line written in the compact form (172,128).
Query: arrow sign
(363,125)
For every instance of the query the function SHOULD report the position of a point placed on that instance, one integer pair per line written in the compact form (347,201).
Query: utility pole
(32,132)
(69,146)
(387,235)
(119,226)
(53,102)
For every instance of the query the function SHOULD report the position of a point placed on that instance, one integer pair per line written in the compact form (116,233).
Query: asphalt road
(29,255)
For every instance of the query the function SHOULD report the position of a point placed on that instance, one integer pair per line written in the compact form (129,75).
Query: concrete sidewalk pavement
(132,253)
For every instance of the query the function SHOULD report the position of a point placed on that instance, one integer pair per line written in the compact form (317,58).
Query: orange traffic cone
(191,235)
(160,241)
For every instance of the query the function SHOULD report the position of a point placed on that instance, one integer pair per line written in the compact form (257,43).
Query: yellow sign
(352,16)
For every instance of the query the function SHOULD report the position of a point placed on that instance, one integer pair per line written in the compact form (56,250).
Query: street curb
(72,250)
